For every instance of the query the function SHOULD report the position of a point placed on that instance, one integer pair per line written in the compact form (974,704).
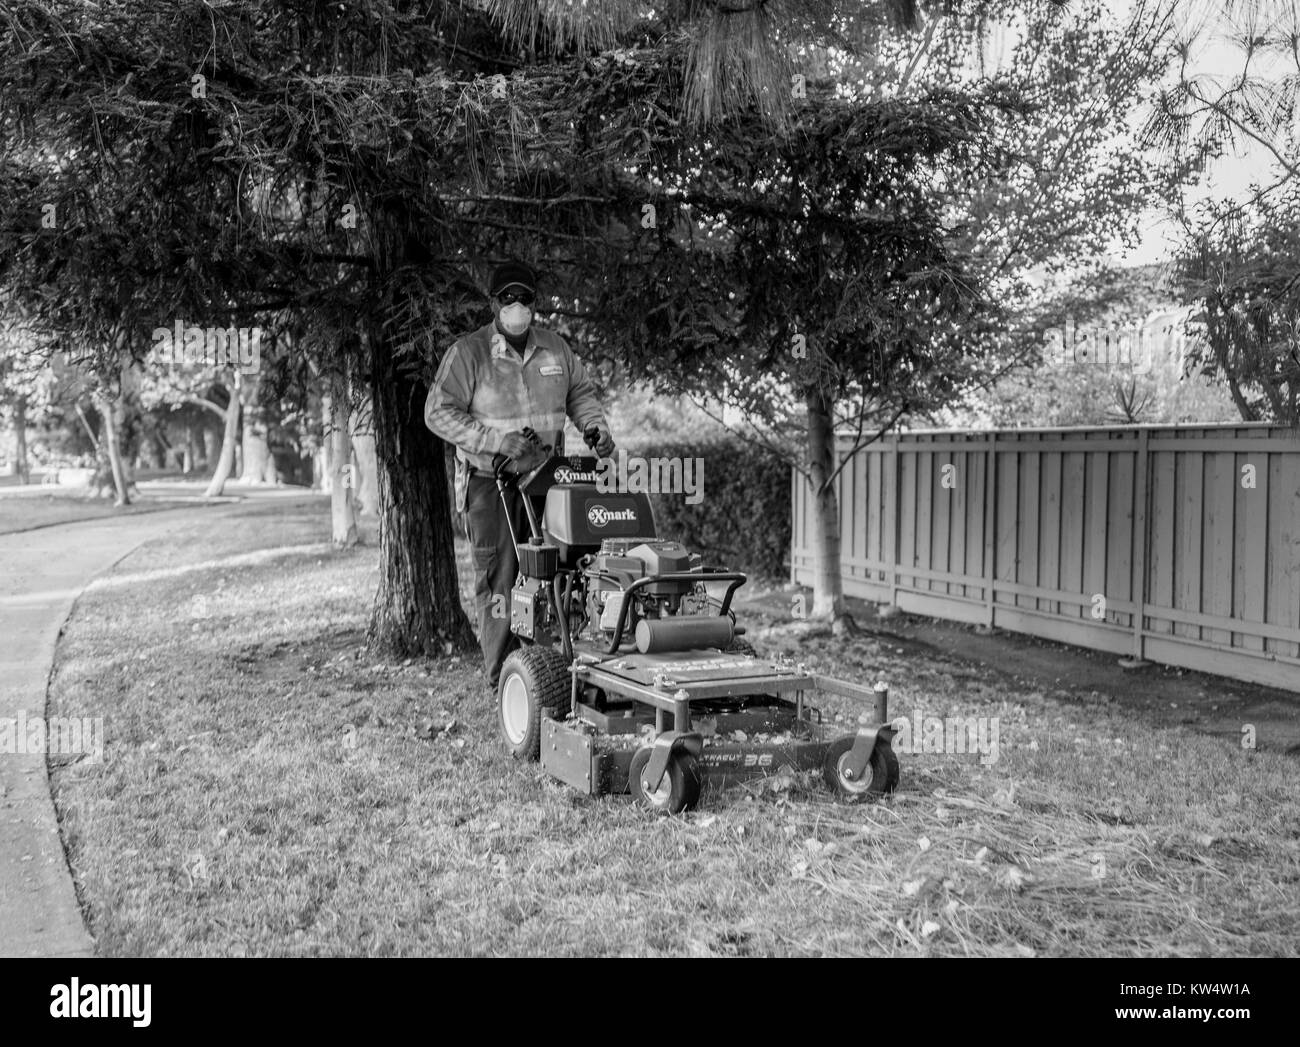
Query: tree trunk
(226,460)
(210,443)
(339,442)
(128,424)
(367,479)
(828,591)
(417,607)
(22,466)
(258,464)
(320,469)
(111,442)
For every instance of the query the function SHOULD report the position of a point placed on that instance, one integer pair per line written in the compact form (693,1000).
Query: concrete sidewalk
(42,572)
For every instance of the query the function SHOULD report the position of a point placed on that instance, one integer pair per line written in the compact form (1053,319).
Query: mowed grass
(22,512)
(268,787)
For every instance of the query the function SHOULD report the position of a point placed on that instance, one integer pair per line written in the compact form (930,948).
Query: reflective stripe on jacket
(483,390)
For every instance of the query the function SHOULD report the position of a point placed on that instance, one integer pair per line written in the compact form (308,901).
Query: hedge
(743,519)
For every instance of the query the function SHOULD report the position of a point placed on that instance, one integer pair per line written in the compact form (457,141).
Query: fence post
(990,523)
(893,523)
(1138,586)
(796,521)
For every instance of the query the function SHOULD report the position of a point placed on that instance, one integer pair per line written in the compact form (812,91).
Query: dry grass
(268,788)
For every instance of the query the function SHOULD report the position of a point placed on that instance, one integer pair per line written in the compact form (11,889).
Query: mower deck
(733,703)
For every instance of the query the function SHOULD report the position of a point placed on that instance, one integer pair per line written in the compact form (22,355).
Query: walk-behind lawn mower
(631,672)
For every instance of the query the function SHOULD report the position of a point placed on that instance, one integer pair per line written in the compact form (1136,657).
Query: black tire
(891,761)
(884,771)
(740,647)
(534,683)
(680,789)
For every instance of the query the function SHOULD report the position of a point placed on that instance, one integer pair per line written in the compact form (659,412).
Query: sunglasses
(511,297)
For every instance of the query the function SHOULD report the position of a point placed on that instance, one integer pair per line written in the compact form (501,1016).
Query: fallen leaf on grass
(928,928)
(1016,878)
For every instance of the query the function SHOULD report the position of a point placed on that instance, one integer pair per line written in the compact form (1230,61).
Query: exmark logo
(599,516)
(565,475)
(101,1001)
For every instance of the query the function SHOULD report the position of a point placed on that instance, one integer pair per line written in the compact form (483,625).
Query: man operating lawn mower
(506,389)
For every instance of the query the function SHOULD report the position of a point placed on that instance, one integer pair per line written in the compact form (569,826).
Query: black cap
(511,273)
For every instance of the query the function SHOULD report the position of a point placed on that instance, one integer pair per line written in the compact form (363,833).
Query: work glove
(517,446)
(525,449)
(598,437)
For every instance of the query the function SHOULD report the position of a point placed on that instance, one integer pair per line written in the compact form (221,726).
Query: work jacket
(485,389)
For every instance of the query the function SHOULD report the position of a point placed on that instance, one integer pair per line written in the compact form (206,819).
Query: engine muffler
(685,633)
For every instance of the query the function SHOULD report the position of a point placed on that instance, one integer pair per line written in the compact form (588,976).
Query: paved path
(41,573)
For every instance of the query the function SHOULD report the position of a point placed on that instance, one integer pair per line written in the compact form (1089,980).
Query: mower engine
(620,562)
(608,540)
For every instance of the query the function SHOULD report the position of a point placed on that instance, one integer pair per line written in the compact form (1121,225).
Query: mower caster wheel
(534,683)
(680,788)
(883,768)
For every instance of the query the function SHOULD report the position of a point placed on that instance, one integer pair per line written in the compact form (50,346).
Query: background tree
(1237,96)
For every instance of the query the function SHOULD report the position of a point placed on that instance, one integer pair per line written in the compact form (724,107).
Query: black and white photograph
(699,479)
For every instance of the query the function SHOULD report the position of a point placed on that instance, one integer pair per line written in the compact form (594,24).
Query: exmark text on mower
(631,673)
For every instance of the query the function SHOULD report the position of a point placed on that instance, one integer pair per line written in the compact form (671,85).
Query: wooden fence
(1177,544)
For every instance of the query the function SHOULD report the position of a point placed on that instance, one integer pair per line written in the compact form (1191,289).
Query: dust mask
(515,318)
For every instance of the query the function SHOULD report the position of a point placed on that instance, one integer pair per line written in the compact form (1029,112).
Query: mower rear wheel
(883,768)
(534,683)
(680,788)
(740,647)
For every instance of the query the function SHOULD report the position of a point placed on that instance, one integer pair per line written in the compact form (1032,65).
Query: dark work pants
(495,565)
